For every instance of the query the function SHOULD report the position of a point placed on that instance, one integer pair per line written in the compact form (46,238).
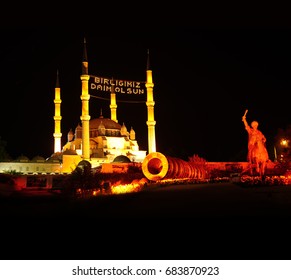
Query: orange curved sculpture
(157,166)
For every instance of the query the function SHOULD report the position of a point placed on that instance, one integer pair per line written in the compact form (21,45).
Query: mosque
(99,140)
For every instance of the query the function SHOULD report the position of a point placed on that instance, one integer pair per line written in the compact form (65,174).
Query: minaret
(85,118)
(150,108)
(113,105)
(57,117)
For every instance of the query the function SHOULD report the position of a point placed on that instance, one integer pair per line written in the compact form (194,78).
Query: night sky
(204,80)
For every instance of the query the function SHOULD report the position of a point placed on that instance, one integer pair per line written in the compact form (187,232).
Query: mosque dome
(100,127)
(107,123)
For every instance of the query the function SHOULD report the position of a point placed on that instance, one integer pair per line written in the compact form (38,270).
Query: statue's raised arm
(244,118)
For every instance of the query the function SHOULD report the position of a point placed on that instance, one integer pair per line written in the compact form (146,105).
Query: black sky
(204,79)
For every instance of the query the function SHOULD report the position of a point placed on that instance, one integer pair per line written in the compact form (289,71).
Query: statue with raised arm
(257,152)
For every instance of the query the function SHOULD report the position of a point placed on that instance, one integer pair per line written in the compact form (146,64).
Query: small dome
(38,158)
(84,165)
(121,158)
(78,131)
(123,130)
(132,134)
(23,158)
(70,135)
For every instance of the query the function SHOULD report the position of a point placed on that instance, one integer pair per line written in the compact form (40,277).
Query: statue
(257,152)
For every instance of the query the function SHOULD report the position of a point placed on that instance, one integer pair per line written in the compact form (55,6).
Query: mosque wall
(30,167)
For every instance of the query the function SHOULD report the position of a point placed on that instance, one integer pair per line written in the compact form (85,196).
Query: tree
(81,180)
(3,152)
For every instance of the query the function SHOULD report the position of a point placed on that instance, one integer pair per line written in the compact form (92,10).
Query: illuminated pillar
(85,117)
(113,105)
(57,117)
(150,109)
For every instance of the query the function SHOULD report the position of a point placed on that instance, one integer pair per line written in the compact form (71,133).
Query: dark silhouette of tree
(80,181)
(3,152)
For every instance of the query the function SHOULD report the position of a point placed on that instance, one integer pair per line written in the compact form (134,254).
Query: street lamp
(284,144)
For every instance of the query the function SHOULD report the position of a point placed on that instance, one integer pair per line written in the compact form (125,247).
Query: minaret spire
(57,117)
(150,107)
(85,117)
(85,59)
(57,79)
(148,60)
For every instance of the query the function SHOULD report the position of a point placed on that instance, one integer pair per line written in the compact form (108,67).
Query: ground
(198,221)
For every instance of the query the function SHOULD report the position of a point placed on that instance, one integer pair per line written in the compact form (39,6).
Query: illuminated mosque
(103,140)
(99,140)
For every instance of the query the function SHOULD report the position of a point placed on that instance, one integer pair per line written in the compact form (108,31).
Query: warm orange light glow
(275,180)
(95,192)
(126,188)
(284,142)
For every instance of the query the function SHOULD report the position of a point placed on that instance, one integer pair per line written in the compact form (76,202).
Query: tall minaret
(150,107)
(113,105)
(85,118)
(57,117)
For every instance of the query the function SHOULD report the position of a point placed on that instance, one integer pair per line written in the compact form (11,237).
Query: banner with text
(100,86)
